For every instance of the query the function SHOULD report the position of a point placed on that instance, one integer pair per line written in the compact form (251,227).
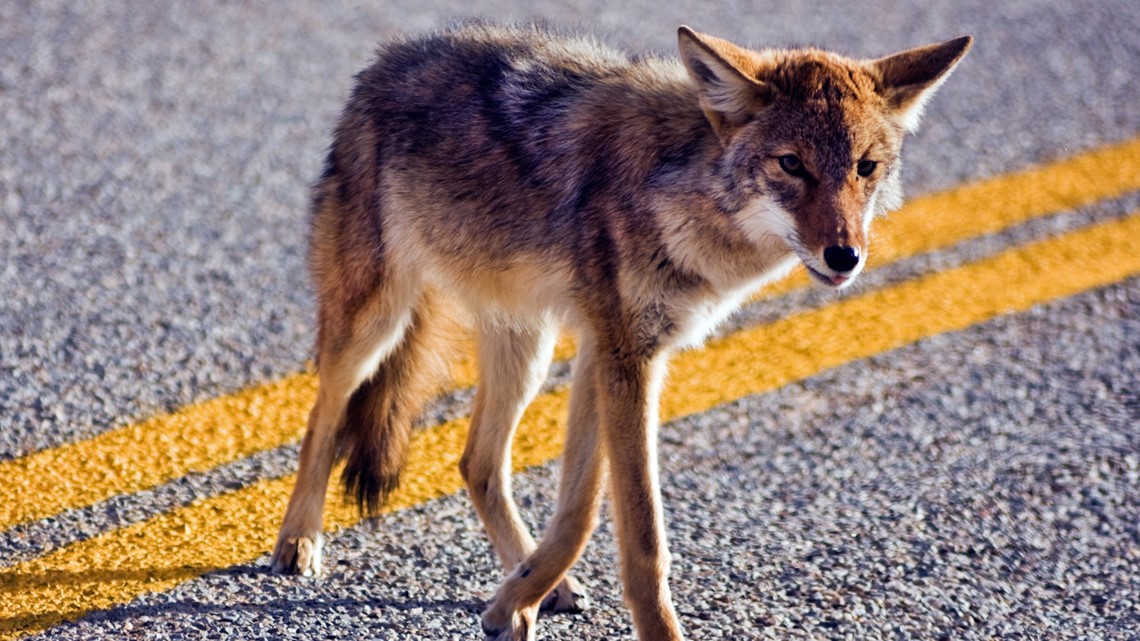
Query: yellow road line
(193,439)
(236,528)
(208,434)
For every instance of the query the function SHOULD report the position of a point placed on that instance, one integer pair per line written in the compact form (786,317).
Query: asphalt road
(982,483)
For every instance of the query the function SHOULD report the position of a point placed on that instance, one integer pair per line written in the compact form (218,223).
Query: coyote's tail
(381,412)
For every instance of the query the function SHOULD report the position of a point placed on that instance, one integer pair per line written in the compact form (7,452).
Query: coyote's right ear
(728,93)
(908,79)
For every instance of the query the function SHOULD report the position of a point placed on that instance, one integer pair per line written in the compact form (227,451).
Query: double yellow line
(237,527)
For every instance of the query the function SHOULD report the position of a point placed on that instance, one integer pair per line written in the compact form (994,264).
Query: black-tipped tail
(381,412)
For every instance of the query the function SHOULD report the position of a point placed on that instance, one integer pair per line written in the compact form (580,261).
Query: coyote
(525,181)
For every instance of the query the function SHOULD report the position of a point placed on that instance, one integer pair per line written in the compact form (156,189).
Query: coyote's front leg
(624,395)
(627,393)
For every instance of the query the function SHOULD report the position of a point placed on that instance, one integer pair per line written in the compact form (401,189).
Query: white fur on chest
(701,318)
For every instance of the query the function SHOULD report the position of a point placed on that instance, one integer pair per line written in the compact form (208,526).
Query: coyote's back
(535,181)
(488,150)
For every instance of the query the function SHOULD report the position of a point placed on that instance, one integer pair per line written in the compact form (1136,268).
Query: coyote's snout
(544,182)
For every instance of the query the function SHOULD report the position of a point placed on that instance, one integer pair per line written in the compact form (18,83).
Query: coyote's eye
(792,164)
(866,167)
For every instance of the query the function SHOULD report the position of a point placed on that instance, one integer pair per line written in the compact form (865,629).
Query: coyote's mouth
(834,281)
(837,280)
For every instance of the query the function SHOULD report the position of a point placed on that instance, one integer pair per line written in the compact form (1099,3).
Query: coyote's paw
(500,625)
(297,555)
(569,596)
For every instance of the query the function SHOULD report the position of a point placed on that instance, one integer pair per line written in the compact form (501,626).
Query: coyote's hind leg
(350,349)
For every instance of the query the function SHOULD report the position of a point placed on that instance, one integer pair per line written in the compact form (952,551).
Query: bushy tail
(381,412)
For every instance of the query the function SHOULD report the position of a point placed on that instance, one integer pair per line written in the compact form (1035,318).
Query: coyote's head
(811,140)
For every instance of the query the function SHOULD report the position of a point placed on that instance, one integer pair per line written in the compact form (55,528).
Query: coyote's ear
(908,79)
(728,94)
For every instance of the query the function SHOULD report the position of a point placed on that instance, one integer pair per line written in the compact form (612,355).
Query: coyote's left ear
(908,79)
(729,94)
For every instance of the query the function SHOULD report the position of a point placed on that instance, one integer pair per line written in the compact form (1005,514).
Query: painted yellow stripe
(218,431)
(145,454)
(194,439)
(236,528)
(768,356)
(229,529)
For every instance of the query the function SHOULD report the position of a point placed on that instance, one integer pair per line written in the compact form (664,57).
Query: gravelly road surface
(154,160)
(935,492)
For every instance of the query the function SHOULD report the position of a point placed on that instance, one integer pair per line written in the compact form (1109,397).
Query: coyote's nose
(841,259)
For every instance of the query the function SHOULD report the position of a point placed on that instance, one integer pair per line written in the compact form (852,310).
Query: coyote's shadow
(13,583)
